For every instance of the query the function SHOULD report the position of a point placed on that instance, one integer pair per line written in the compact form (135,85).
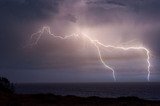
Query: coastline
(7,99)
(144,90)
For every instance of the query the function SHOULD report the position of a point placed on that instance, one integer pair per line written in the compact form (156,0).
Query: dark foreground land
(8,99)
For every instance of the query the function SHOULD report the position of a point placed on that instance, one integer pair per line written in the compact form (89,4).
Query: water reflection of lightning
(96,43)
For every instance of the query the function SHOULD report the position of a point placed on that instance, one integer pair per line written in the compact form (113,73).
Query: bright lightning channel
(96,43)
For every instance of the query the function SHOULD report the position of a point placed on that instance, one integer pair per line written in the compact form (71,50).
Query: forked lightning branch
(97,45)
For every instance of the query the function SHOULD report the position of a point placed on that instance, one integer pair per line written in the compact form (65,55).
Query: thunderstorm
(97,45)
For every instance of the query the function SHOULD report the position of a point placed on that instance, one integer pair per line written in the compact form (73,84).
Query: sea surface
(142,90)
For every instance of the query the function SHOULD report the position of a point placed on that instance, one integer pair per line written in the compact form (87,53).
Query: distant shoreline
(147,90)
(56,100)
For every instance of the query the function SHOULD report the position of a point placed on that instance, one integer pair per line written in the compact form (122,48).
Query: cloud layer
(118,22)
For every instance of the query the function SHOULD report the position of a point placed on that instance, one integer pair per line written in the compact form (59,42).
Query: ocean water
(141,90)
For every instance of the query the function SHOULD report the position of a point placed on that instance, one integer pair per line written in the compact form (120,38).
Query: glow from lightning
(96,43)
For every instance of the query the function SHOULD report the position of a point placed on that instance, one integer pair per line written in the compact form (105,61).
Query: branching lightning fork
(96,43)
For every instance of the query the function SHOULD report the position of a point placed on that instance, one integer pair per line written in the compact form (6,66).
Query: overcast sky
(113,22)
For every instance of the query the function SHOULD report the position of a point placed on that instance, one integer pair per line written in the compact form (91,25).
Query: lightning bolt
(96,43)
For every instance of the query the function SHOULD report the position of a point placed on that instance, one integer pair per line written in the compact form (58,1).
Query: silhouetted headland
(9,98)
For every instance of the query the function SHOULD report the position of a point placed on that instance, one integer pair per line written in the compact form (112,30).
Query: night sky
(113,22)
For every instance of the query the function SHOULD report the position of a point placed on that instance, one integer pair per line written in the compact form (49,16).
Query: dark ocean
(141,90)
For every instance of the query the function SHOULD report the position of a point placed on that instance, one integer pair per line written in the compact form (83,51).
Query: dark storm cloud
(141,12)
(20,18)
(28,9)
(17,20)
(147,7)
(70,17)
(144,9)
(100,2)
